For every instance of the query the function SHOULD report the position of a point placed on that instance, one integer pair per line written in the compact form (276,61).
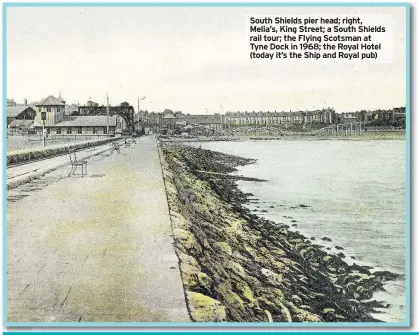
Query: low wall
(34,154)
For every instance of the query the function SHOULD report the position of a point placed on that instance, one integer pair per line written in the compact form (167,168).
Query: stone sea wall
(238,267)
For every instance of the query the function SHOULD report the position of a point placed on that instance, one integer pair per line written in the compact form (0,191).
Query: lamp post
(43,118)
(139,109)
(139,102)
(107,114)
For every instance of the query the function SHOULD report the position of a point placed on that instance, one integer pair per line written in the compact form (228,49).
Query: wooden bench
(75,163)
(115,147)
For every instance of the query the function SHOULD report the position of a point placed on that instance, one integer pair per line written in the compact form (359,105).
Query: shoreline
(369,136)
(239,267)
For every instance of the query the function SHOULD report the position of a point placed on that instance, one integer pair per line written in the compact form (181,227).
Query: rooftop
(85,121)
(50,101)
(21,123)
(15,111)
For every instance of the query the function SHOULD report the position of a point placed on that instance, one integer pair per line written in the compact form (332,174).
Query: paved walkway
(97,248)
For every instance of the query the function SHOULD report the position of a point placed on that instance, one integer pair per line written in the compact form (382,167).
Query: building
(11,103)
(180,119)
(270,118)
(91,103)
(54,109)
(80,126)
(150,121)
(20,113)
(352,117)
(212,122)
(20,127)
(386,115)
(71,110)
(58,123)
(168,119)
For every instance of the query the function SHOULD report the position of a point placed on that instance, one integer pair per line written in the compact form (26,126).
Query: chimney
(26,102)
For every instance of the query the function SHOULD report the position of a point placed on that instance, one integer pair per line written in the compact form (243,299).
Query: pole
(43,133)
(107,114)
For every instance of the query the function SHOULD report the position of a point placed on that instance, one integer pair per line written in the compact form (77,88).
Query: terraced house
(326,116)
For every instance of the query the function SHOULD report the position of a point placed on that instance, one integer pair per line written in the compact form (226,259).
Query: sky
(191,59)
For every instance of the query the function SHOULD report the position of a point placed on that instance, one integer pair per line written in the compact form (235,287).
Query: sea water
(353,192)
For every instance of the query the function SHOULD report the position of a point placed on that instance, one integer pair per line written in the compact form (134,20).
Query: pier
(96,248)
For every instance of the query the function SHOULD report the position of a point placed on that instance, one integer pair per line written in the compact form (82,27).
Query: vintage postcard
(195,164)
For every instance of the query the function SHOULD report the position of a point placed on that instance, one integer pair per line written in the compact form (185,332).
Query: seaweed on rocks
(237,266)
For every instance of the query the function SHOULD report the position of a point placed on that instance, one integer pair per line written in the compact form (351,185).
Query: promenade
(97,248)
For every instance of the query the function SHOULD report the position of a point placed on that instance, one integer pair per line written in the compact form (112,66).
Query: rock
(297,300)
(339,247)
(224,247)
(386,275)
(341,255)
(205,309)
(186,239)
(329,311)
(249,269)
(293,220)
(304,206)
(272,277)
(245,292)
(301,315)
(286,315)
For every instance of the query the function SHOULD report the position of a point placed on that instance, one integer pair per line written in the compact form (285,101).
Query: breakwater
(237,266)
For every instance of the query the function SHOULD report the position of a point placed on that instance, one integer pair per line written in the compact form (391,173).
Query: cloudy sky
(189,59)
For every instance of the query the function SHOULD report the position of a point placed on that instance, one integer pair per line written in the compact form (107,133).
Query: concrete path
(97,248)
(20,174)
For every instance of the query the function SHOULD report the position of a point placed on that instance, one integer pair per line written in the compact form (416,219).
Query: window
(69,131)
(105,130)
(58,131)
(79,130)
(49,110)
(94,131)
(48,131)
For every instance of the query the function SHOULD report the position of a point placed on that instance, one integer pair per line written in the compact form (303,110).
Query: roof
(204,119)
(21,123)
(85,121)
(15,111)
(168,116)
(50,101)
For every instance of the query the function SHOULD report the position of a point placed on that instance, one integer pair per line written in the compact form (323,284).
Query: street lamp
(43,118)
(107,115)
(139,110)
